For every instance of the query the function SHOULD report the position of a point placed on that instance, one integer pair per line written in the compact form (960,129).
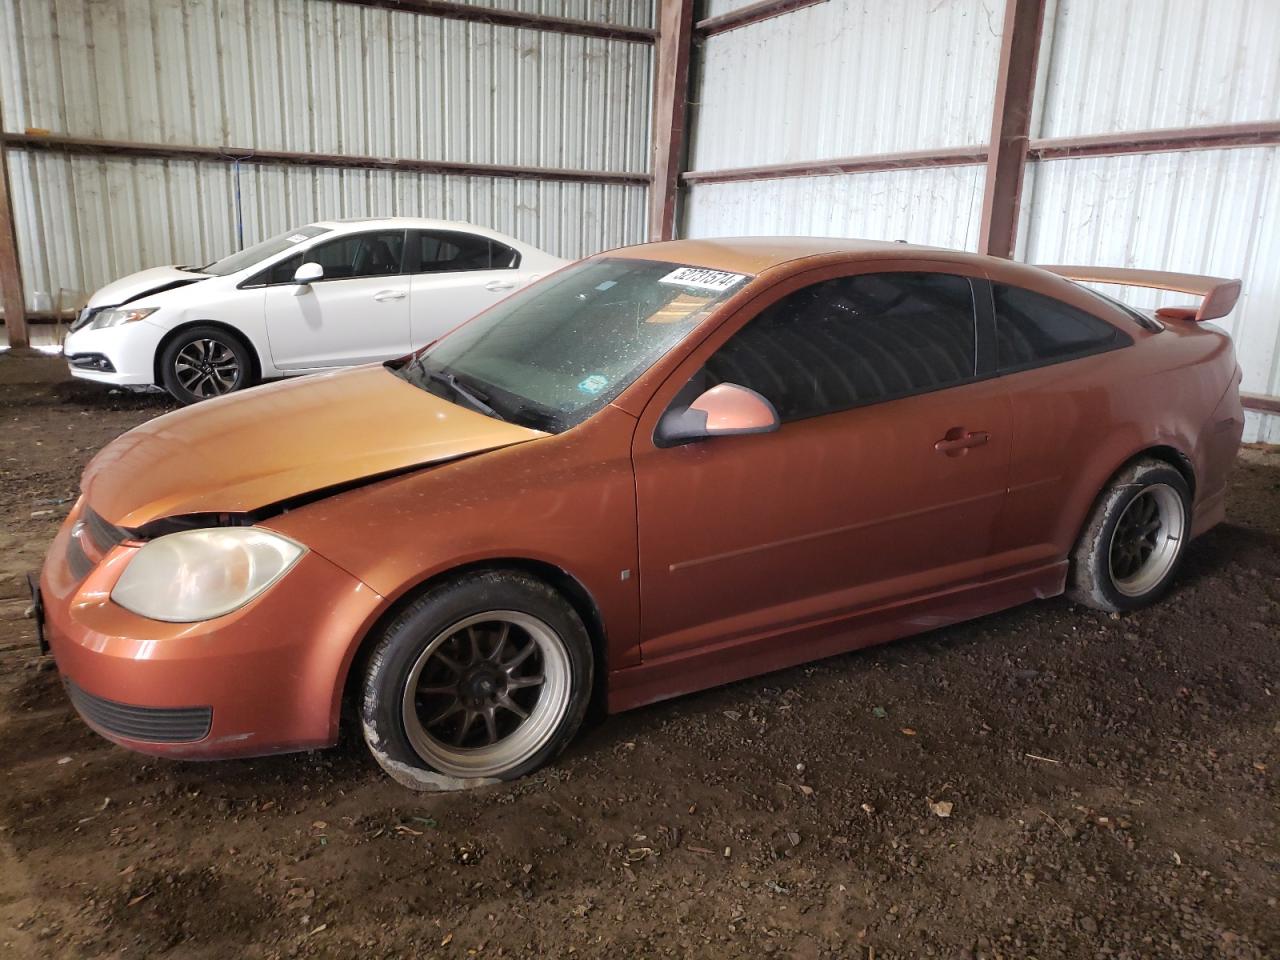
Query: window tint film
(359,255)
(1032,329)
(444,252)
(852,341)
(281,272)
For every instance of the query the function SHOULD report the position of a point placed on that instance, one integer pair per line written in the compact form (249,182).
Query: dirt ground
(1111,785)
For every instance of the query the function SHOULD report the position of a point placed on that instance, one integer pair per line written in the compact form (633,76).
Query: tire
(1132,546)
(472,650)
(204,362)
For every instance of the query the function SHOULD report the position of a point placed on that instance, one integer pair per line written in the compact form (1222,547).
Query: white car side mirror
(306,275)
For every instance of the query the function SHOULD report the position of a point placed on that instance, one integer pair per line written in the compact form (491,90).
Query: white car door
(357,313)
(455,275)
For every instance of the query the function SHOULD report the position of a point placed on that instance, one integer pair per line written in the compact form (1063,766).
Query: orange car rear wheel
(1134,540)
(482,678)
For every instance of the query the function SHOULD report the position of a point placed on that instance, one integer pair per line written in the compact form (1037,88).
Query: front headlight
(120,315)
(201,574)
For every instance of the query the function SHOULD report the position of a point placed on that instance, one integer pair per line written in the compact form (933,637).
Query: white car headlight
(120,315)
(201,574)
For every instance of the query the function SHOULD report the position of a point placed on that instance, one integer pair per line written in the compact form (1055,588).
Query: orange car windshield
(553,354)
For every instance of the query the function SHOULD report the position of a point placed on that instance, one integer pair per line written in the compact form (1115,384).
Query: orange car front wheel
(482,678)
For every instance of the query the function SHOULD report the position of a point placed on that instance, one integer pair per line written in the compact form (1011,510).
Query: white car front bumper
(121,356)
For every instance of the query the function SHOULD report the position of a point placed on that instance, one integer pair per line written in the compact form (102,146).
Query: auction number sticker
(716,280)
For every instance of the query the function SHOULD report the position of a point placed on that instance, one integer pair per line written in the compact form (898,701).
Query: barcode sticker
(703,279)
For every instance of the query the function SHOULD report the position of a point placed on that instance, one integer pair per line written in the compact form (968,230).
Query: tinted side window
(359,255)
(374,254)
(281,272)
(1032,329)
(854,340)
(444,252)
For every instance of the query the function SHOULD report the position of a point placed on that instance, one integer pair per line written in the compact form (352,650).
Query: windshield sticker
(593,384)
(602,287)
(716,280)
(296,238)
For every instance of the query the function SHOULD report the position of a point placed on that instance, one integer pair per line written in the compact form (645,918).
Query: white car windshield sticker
(296,238)
(716,280)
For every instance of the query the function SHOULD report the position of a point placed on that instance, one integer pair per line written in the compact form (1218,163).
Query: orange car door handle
(957,440)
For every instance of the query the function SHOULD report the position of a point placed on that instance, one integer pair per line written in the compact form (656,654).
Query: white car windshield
(553,354)
(260,251)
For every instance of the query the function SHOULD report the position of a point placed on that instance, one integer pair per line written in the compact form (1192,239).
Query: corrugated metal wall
(309,76)
(81,217)
(847,78)
(941,207)
(1119,65)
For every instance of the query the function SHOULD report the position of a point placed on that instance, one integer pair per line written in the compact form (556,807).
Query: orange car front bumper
(266,678)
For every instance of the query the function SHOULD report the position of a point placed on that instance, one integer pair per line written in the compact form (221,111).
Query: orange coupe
(659,469)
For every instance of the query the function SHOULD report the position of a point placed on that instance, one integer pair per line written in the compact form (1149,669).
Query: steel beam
(670,114)
(11,290)
(765,10)
(92,147)
(1010,126)
(1157,141)
(1261,402)
(513,18)
(906,160)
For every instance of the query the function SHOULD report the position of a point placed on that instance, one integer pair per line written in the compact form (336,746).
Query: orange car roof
(755,254)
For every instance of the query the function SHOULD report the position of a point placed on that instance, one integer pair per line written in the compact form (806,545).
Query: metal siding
(847,78)
(1116,65)
(940,206)
(86,220)
(311,76)
(1211,212)
(327,77)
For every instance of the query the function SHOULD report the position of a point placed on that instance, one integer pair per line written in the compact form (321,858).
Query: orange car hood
(249,450)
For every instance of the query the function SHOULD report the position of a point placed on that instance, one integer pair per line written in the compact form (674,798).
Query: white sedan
(330,294)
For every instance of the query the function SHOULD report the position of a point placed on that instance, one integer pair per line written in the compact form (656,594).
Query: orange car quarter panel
(267,670)
(567,501)
(1076,423)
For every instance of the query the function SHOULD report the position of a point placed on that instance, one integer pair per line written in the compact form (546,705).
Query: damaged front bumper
(266,678)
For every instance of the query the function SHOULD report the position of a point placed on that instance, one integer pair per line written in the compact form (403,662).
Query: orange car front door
(836,513)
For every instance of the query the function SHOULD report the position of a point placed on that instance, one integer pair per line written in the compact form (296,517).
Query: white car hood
(137,284)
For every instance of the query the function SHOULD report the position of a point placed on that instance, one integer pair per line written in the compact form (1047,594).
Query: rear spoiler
(1220,294)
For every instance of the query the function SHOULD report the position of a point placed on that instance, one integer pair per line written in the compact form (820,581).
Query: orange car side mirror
(725,410)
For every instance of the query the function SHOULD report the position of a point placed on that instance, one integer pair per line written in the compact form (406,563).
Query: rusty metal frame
(744,16)
(1010,126)
(512,18)
(669,139)
(1261,402)
(869,163)
(164,151)
(12,291)
(1157,141)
